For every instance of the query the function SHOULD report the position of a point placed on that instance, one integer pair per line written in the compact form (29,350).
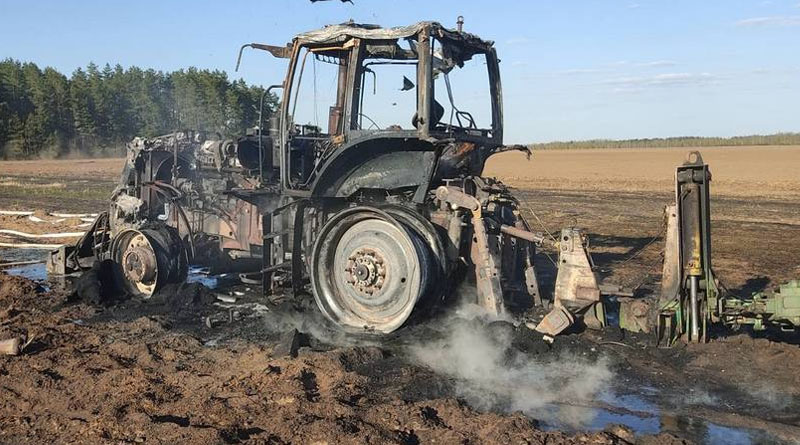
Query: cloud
(614,66)
(518,41)
(776,20)
(639,83)
(657,63)
(633,5)
(578,71)
(650,64)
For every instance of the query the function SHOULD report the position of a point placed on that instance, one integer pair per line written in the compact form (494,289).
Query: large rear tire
(368,270)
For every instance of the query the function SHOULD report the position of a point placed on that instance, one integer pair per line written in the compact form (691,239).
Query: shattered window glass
(461,87)
(388,86)
(315,89)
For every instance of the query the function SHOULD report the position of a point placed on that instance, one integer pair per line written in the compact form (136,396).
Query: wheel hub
(365,271)
(368,270)
(139,264)
(146,259)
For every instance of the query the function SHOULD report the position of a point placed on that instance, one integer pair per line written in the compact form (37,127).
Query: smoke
(474,349)
(490,376)
(309,320)
(759,392)
(471,311)
(699,396)
(768,395)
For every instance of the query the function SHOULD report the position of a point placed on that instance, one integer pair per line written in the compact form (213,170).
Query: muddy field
(155,372)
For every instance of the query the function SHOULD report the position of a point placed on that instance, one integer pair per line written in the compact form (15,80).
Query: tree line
(683,141)
(95,111)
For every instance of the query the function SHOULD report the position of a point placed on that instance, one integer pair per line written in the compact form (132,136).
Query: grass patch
(98,191)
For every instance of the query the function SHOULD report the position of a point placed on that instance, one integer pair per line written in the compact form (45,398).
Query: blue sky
(570,69)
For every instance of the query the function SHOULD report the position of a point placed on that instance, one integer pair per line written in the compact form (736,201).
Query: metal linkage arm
(688,286)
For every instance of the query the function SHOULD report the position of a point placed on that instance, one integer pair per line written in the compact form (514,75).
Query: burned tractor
(380,209)
(384,213)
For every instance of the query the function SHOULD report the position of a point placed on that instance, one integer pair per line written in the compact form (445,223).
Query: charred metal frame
(354,48)
(412,208)
(259,204)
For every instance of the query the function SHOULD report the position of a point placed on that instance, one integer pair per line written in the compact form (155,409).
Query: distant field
(752,171)
(772,171)
(101,168)
(617,195)
(75,185)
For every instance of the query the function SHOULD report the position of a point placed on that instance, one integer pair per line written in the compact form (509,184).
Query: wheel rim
(424,228)
(146,259)
(137,263)
(368,270)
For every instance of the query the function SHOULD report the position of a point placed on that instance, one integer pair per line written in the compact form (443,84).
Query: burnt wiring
(162,188)
(648,244)
(649,267)
(634,255)
(101,235)
(541,224)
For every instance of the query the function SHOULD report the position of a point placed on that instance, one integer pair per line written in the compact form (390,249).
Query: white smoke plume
(556,389)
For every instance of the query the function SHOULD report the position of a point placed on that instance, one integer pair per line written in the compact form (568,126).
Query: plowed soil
(123,378)
(155,372)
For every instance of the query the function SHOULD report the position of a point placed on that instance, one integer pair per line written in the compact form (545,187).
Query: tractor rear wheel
(368,270)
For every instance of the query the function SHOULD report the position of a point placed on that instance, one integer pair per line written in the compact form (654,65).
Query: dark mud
(94,375)
(338,384)
(154,371)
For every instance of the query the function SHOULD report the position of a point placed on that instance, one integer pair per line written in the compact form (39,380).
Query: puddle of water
(8,254)
(646,417)
(733,436)
(200,275)
(642,418)
(630,410)
(34,272)
(38,272)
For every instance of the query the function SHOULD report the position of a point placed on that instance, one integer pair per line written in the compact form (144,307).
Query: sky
(571,69)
